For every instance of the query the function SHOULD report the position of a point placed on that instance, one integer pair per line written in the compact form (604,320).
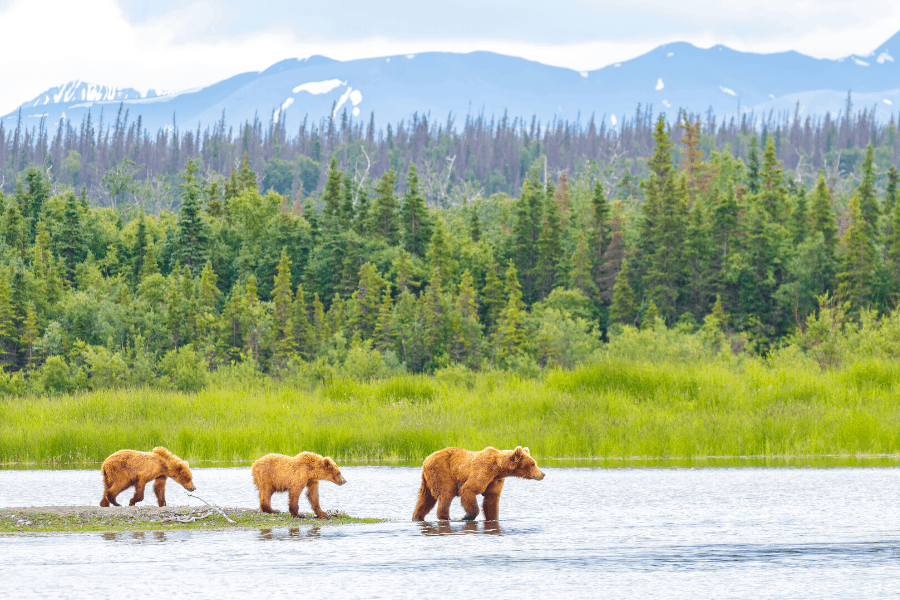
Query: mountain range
(440,83)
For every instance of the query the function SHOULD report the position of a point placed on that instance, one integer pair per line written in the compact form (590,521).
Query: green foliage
(185,369)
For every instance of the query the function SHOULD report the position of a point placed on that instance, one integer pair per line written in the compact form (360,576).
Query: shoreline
(83,519)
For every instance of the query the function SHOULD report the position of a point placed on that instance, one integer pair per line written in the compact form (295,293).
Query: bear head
(177,469)
(520,464)
(332,473)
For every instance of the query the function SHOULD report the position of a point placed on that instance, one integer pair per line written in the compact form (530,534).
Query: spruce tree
(139,248)
(474,225)
(348,213)
(868,202)
(510,337)
(383,333)
(580,272)
(753,165)
(660,162)
(623,308)
(70,246)
(550,273)
(858,265)
(283,298)
(192,238)
(492,296)
(384,209)
(439,252)
(331,196)
(417,224)
(526,231)
(821,218)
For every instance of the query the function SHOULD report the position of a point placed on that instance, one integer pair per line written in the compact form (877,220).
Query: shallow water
(618,533)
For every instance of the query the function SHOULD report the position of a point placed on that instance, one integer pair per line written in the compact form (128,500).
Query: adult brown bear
(455,472)
(127,468)
(280,473)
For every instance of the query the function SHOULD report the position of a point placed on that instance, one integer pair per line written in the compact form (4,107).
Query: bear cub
(127,468)
(279,473)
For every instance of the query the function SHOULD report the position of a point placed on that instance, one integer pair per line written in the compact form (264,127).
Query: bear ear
(519,451)
(527,451)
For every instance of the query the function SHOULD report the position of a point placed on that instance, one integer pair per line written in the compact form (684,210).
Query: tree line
(120,161)
(366,274)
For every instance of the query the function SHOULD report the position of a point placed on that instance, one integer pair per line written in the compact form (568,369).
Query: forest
(367,273)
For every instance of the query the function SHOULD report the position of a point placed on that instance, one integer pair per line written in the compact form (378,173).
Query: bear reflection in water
(446,528)
(294,533)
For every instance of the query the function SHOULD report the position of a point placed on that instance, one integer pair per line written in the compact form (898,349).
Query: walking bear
(455,472)
(127,468)
(280,473)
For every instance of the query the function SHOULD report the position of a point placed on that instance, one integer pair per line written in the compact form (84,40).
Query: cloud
(173,45)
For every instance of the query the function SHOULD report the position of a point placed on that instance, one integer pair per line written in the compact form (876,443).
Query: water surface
(617,533)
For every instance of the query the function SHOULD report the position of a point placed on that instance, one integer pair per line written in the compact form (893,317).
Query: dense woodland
(371,275)
(120,161)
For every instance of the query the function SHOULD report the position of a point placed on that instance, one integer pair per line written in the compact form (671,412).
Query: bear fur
(127,468)
(455,472)
(279,473)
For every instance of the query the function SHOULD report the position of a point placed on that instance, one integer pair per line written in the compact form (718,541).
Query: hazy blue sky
(168,44)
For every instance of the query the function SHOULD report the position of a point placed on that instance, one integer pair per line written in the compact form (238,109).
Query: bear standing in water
(280,473)
(455,472)
(127,468)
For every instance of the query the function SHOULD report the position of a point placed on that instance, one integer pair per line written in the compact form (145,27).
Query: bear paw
(469,517)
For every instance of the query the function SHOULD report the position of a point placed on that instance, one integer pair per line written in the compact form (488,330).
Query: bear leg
(425,503)
(159,488)
(110,493)
(312,494)
(138,493)
(294,500)
(491,503)
(265,499)
(469,501)
(443,511)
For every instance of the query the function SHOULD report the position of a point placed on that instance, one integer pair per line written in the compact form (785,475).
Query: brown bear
(280,473)
(455,472)
(127,468)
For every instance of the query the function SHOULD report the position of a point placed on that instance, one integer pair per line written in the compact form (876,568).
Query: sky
(184,44)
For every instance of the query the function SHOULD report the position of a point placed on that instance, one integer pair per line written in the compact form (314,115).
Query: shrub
(185,369)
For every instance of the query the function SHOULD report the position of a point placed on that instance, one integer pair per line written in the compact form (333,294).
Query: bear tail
(425,502)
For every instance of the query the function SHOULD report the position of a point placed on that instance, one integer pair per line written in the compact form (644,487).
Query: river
(579,533)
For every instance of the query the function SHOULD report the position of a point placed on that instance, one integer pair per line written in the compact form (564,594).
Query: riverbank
(611,409)
(73,519)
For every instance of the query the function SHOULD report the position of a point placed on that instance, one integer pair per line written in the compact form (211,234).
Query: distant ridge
(392,88)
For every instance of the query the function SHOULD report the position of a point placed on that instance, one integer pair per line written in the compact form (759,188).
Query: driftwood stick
(213,506)
(189,519)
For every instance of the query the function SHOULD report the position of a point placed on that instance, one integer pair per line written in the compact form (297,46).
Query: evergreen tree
(70,246)
(623,307)
(304,334)
(474,225)
(139,249)
(510,337)
(858,265)
(526,232)
(651,317)
(868,202)
(821,218)
(361,223)
(383,333)
(753,165)
(8,325)
(192,238)
(660,162)
(417,224)
(580,273)
(348,213)
(549,271)
(331,196)
(283,297)
(439,252)
(492,295)
(384,210)
(890,203)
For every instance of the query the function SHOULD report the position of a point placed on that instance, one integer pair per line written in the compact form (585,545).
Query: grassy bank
(609,409)
(150,518)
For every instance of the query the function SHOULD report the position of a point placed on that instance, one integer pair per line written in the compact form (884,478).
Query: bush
(105,369)
(56,376)
(185,369)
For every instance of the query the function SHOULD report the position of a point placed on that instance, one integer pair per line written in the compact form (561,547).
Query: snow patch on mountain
(613,120)
(728,91)
(356,112)
(659,84)
(885,56)
(341,102)
(278,111)
(861,63)
(355,97)
(888,102)
(319,87)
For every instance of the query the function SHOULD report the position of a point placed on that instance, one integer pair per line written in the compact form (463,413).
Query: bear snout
(539,476)
(190,487)
(342,481)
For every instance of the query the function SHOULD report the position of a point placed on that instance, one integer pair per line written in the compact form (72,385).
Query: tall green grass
(609,409)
